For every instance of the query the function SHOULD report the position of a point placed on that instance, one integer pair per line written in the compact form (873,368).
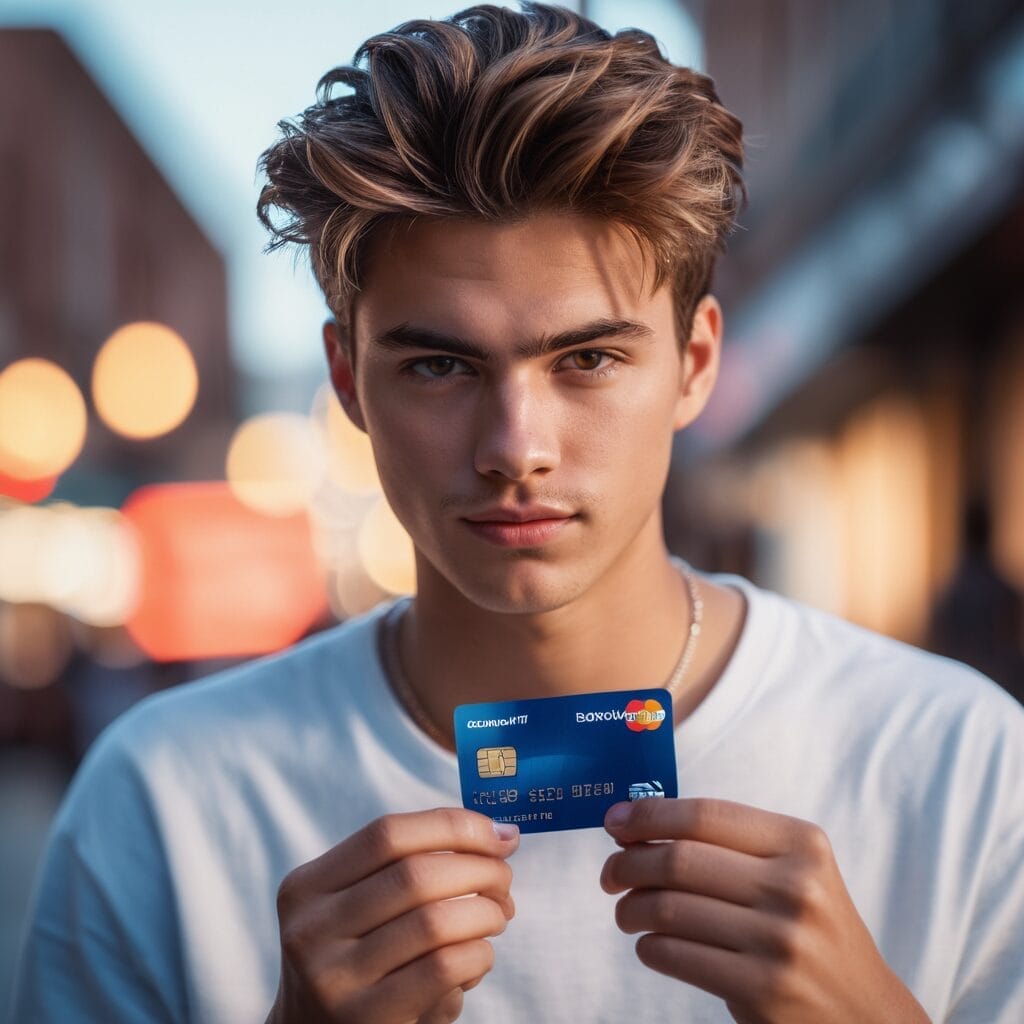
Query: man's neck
(627,631)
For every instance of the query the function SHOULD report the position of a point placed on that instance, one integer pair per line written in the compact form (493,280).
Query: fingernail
(617,816)
(505,830)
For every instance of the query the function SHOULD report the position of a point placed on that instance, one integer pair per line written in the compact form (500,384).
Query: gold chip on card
(496,762)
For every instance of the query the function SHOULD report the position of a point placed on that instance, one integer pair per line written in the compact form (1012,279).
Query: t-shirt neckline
(697,734)
(747,670)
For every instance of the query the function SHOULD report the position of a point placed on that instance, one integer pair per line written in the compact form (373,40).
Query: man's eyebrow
(405,335)
(595,331)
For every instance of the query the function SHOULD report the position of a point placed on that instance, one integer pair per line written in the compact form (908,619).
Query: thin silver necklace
(387,643)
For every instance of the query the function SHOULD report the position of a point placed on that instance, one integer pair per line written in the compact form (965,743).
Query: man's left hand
(750,906)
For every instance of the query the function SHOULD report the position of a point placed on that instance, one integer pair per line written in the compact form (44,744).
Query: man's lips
(526,514)
(539,526)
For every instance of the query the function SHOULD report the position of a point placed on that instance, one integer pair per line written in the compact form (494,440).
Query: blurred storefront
(865,448)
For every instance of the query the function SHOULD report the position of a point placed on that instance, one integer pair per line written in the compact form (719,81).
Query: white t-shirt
(156,901)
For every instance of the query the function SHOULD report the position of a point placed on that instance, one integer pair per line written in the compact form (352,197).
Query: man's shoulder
(238,738)
(813,648)
(872,716)
(296,689)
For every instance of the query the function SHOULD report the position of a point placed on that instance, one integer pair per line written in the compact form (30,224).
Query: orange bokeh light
(351,464)
(218,579)
(42,419)
(275,463)
(386,551)
(144,380)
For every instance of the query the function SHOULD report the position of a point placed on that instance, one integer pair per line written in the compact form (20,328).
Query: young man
(514,218)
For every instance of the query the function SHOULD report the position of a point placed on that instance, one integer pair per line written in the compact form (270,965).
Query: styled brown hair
(495,113)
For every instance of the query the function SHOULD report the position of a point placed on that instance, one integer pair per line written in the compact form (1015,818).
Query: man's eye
(588,359)
(434,367)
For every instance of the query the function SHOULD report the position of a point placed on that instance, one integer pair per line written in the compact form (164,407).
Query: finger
(424,929)
(418,987)
(344,966)
(413,882)
(719,822)
(685,915)
(685,865)
(394,836)
(446,1011)
(729,975)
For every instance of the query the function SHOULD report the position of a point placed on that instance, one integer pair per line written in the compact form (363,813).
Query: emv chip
(496,762)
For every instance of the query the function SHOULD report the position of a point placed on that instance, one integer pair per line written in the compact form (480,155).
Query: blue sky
(203,83)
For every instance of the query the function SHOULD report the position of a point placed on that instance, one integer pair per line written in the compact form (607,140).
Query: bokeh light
(27,490)
(24,532)
(218,579)
(42,419)
(350,464)
(350,591)
(35,645)
(386,550)
(1008,464)
(144,380)
(81,561)
(90,566)
(275,463)
(883,451)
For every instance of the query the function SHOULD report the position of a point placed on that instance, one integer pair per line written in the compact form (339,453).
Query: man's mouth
(519,514)
(521,527)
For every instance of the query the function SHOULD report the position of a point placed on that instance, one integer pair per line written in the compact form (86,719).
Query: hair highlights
(495,113)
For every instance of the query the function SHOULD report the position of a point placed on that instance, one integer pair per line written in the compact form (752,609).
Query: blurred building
(93,239)
(870,410)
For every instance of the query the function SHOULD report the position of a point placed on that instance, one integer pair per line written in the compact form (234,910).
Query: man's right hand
(371,930)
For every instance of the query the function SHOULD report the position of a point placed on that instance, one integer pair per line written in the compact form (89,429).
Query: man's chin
(522,586)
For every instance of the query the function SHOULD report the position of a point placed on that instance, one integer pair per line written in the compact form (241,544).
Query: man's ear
(338,347)
(700,362)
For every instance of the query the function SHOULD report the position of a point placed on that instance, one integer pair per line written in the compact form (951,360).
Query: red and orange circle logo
(644,714)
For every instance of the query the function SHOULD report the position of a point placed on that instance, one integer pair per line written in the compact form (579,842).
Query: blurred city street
(180,489)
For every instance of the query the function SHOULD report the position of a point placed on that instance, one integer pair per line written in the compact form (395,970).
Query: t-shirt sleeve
(989,985)
(101,943)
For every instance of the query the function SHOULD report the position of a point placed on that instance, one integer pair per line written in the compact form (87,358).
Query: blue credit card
(560,762)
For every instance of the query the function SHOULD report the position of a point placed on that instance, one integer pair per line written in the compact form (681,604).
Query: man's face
(471,419)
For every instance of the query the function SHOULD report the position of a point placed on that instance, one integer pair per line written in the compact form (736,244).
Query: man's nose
(516,433)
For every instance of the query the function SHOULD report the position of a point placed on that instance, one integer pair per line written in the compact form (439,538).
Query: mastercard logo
(644,714)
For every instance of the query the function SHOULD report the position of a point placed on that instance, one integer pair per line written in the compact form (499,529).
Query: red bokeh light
(28,491)
(218,579)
